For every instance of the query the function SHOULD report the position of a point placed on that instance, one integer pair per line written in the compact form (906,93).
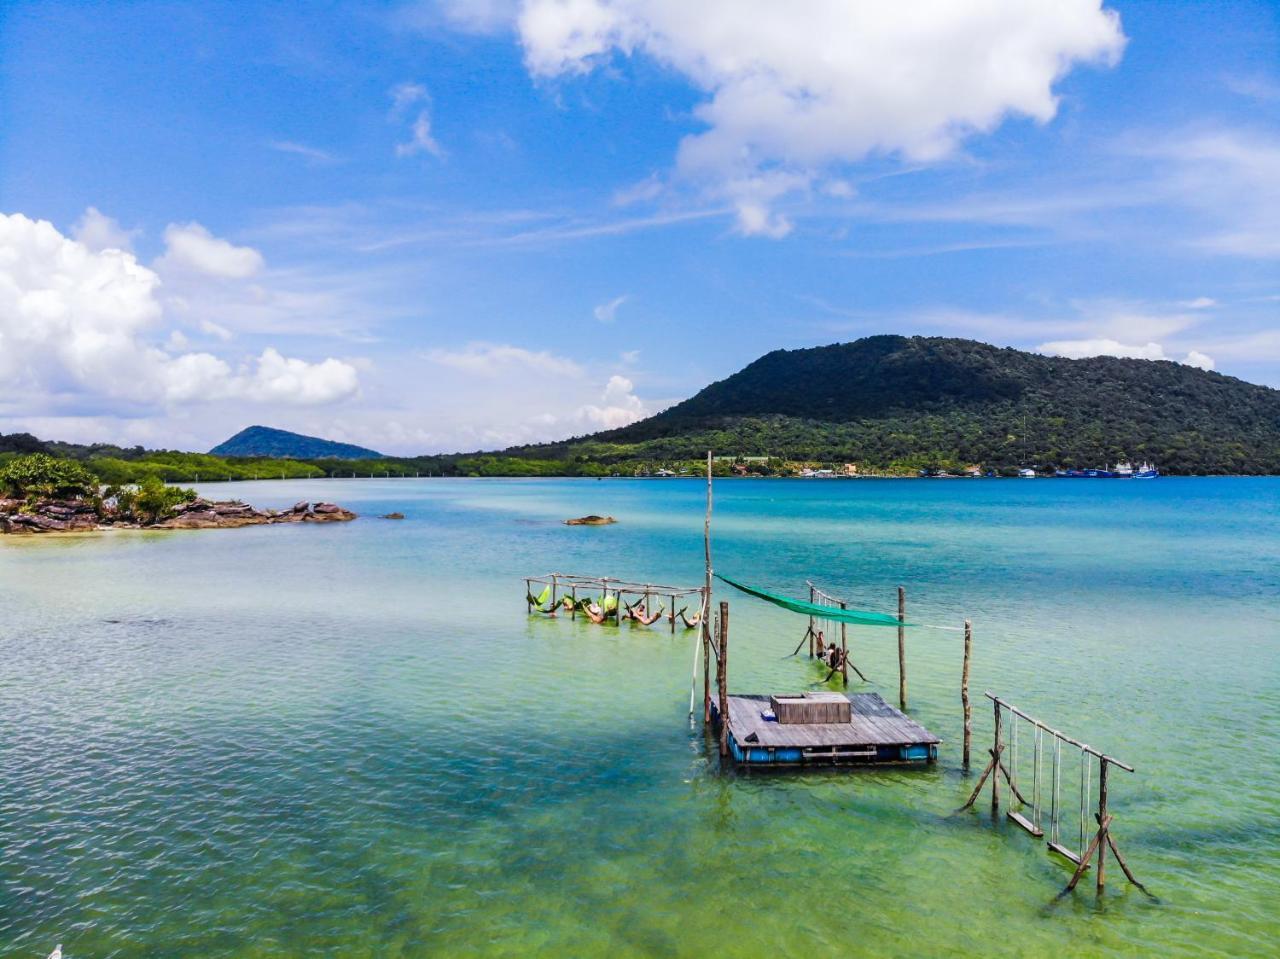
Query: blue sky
(426,226)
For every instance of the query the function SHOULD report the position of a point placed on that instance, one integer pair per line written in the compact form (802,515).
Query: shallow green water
(351,740)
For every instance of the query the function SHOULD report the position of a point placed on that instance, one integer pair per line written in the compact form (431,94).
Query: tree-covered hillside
(888,400)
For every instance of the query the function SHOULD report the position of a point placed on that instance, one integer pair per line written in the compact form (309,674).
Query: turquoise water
(351,740)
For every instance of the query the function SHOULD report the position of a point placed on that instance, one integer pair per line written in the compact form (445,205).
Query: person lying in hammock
(690,622)
(639,614)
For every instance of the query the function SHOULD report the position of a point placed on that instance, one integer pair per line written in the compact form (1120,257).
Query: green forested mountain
(265,441)
(899,403)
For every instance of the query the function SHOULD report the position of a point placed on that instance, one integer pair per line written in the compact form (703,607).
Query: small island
(40,494)
(591,520)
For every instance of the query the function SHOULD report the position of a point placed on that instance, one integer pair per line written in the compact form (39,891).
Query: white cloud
(191,247)
(1079,349)
(75,328)
(279,379)
(99,232)
(496,359)
(1231,178)
(1196,358)
(479,16)
(405,95)
(421,139)
(1199,303)
(790,93)
(621,406)
(313,154)
(607,312)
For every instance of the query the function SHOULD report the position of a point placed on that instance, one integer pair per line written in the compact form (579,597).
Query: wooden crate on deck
(812,708)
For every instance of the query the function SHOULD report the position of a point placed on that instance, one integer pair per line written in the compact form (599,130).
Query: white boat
(1025,473)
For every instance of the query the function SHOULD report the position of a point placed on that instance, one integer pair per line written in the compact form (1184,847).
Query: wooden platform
(876,733)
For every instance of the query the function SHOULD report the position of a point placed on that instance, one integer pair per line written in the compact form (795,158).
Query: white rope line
(698,633)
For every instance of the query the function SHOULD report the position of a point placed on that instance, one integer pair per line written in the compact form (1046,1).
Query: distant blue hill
(265,441)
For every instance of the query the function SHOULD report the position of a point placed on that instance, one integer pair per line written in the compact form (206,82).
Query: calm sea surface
(351,740)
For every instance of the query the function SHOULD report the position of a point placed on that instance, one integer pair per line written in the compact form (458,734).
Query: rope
(1013,765)
(1035,778)
(702,619)
(1086,789)
(1057,782)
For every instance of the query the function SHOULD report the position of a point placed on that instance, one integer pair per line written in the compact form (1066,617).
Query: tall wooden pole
(995,759)
(723,676)
(704,621)
(706,679)
(811,599)
(902,653)
(1103,825)
(844,648)
(964,692)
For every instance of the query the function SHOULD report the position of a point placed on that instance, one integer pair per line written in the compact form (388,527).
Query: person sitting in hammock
(603,610)
(833,656)
(821,645)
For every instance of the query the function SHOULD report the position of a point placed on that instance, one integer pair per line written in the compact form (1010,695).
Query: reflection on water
(351,739)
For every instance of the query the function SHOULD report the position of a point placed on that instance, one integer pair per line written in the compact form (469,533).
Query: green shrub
(41,475)
(153,501)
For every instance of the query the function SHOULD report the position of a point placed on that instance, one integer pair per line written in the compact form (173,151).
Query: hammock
(539,602)
(855,617)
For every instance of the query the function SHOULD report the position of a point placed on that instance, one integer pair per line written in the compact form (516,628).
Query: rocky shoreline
(79,515)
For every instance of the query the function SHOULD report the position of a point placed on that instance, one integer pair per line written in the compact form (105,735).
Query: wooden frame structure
(568,584)
(997,767)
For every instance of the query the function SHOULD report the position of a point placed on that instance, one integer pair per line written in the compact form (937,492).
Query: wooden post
(573,613)
(811,599)
(723,678)
(673,614)
(964,691)
(902,657)
(1103,828)
(844,648)
(554,584)
(706,671)
(995,758)
(528,596)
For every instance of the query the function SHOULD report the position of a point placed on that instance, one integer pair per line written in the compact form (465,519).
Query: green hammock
(855,617)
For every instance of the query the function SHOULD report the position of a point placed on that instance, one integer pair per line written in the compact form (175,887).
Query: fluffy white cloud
(1078,349)
(607,312)
(795,88)
(74,328)
(191,247)
(621,406)
(98,231)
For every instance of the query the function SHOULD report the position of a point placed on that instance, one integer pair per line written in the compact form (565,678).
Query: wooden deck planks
(874,722)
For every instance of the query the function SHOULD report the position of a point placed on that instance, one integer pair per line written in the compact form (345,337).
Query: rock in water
(393,515)
(591,520)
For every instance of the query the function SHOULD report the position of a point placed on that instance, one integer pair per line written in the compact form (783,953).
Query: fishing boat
(1146,471)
